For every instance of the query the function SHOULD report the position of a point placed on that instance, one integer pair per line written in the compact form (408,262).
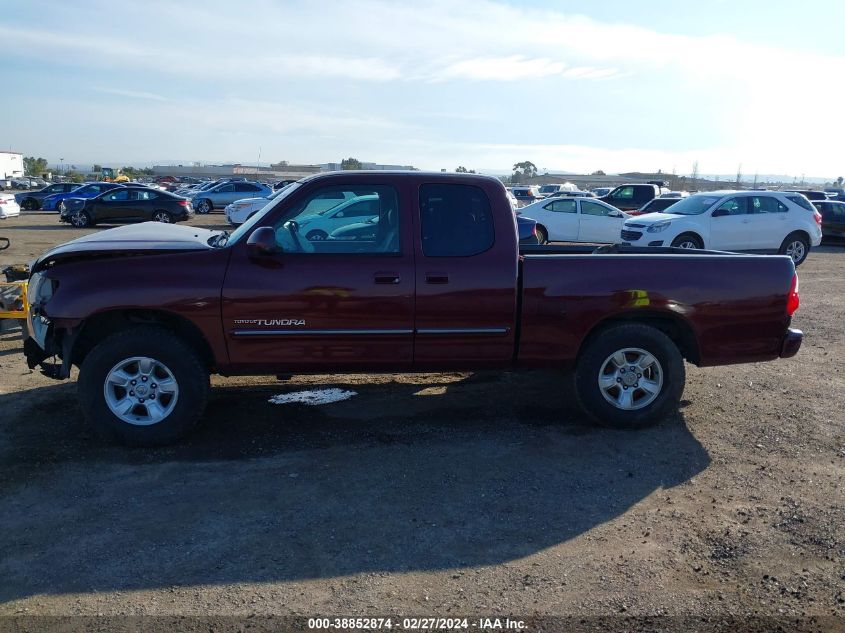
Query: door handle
(387,278)
(436,278)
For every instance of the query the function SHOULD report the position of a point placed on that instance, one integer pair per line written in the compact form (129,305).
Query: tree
(96,168)
(351,163)
(598,172)
(279,165)
(526,168)
(839,181)
(34,166)
(463,170)
(694,175)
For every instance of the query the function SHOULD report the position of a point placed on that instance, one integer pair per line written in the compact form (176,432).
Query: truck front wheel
(143,387)
(629,376)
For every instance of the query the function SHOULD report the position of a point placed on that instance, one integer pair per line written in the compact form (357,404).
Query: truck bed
(720,307)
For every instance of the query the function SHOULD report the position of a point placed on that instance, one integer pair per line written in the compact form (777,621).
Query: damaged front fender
(52,342)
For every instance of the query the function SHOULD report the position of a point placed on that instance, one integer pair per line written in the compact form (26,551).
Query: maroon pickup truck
(405,271)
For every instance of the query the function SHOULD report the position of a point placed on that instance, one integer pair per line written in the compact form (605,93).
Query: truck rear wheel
(143,387)
(629,376)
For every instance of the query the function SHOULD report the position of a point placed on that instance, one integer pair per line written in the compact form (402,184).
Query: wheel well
(800,232)
(675,327)
(99,326)
(693,234)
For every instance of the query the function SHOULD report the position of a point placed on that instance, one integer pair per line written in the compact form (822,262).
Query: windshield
(548,188)
(246,227)
(279,192)
(694,205)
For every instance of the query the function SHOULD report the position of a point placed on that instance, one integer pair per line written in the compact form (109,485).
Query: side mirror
(718,213)
(339,214)
(614,214)
(262,243)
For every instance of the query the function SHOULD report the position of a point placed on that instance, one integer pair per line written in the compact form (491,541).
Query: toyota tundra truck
(437,283)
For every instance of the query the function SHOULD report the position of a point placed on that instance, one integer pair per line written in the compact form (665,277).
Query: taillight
(183,203)
(817,217)
(793,301)
(534,230)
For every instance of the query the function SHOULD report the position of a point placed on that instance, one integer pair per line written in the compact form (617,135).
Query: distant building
(277,172)
(367,166)
(11,164)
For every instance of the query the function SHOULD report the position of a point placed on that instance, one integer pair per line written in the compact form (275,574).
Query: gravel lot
(438,494)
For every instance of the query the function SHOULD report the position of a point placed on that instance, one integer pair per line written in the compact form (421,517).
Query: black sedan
(833,218)
(127,204)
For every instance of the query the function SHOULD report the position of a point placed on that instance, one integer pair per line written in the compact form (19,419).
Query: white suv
(753,221)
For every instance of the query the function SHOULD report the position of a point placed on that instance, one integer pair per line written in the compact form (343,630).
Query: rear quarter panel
(734,305)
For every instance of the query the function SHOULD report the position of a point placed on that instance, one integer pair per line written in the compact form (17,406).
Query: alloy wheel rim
(162,217)
(630,378)
(141,391)
(795,250)
(687,244)
(78,219)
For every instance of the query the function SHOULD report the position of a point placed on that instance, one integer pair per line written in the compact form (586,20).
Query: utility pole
(694,175)
(739,176)
(755,179)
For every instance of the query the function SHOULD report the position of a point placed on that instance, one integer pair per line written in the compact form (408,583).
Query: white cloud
(515,68)
(131,94)
(379,62)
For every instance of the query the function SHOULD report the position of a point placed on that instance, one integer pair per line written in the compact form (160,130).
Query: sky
(571,86)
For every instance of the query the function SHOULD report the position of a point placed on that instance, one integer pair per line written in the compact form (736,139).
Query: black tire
(592,364)
(790,247)
(157,343)
(316,236)
(81,220)
(30,204)
(542,234)
(688,238)
(204,207)
(162,216)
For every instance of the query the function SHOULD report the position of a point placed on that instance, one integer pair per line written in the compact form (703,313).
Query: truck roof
(398,173)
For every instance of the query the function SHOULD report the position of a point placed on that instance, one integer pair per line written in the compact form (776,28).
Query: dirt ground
(438,494)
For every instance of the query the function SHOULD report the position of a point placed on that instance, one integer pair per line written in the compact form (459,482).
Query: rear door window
(564,205)
(765,204)
(624,193)
(117,196)
(455,220)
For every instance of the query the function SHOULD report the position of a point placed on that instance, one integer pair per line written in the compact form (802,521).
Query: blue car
(31,200)
(88,190)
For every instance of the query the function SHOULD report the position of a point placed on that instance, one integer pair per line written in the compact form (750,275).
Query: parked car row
(739,221)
